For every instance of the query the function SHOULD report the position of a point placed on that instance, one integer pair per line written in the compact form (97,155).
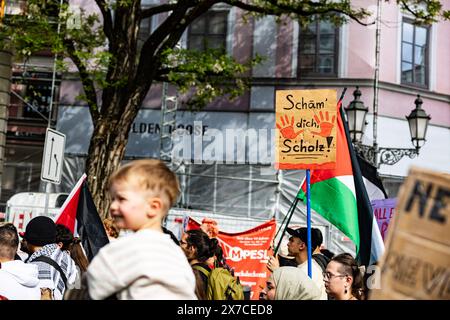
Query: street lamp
(418,124)
(356,116)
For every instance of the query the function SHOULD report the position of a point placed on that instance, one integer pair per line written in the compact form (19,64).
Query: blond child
(146,264)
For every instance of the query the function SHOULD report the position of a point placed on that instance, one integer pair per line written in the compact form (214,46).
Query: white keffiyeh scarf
(49,277)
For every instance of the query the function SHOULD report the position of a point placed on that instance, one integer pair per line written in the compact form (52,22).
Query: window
(208,31)
(318,51)
(35,90)
(414,62)
(38,95)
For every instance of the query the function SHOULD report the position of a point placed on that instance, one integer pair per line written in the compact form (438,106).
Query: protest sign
(247,253)
(306,123)
(384,210)
(416,264)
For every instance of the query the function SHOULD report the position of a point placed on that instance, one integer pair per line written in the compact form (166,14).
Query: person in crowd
(327,253)
(71,245)
(111,229)
(78,255)
(316,245)
(290,283)
(199,248)
(283,257)
(64,237)
(18,280)
(262,293)
(146,264)
(343,279)
(24,253)
(56,270)
(297,248)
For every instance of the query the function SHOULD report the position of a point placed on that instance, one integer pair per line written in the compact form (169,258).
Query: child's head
(142,193)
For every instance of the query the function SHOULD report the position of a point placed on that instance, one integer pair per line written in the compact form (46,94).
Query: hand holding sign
(325,126)
(273,263)
(288,132)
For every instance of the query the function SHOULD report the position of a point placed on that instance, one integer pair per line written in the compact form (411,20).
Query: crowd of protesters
(150,262)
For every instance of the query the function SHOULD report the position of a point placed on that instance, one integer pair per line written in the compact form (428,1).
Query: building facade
(224,154)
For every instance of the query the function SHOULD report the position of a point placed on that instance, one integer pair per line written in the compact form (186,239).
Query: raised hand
(273,263)
(325,126)
(288,130)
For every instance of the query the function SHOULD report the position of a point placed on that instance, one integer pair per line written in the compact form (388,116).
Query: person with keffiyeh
(58,273)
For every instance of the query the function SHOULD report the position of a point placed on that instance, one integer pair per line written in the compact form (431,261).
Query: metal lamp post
(356,117)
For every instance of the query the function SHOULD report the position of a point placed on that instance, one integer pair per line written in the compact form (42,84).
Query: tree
(105,49)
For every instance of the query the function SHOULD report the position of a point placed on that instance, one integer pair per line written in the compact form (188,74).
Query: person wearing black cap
(56,269)
(297,247)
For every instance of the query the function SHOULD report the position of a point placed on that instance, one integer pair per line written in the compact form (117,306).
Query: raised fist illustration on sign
(325,126)
(288,130)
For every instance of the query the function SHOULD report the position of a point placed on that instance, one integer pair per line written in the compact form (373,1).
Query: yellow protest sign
(2,8)
(306,129)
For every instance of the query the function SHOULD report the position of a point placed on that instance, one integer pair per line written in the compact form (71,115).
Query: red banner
(247,253)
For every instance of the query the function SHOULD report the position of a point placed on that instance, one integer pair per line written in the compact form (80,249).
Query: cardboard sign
(306,129)
(384,210)
(416,264)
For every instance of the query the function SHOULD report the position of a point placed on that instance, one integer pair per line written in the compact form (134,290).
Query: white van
(24,206)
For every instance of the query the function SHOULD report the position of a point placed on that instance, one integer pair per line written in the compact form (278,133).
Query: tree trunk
(106,151)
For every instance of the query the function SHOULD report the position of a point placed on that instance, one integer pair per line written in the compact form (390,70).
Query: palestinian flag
(375,191)
(373,183)
(79,214)
(339,195)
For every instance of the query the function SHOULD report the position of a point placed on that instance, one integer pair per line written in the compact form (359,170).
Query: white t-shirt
(19,281)
(145,265)
(317,277)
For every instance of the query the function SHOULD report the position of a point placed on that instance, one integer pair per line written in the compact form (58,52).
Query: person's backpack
(221,284)
(322,260)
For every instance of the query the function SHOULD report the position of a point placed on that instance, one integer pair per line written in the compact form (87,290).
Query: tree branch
(146,13)
(88,84)
(180,27)
(107,19)
(351,16)
(289,9)
(246,6)
(408,8)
